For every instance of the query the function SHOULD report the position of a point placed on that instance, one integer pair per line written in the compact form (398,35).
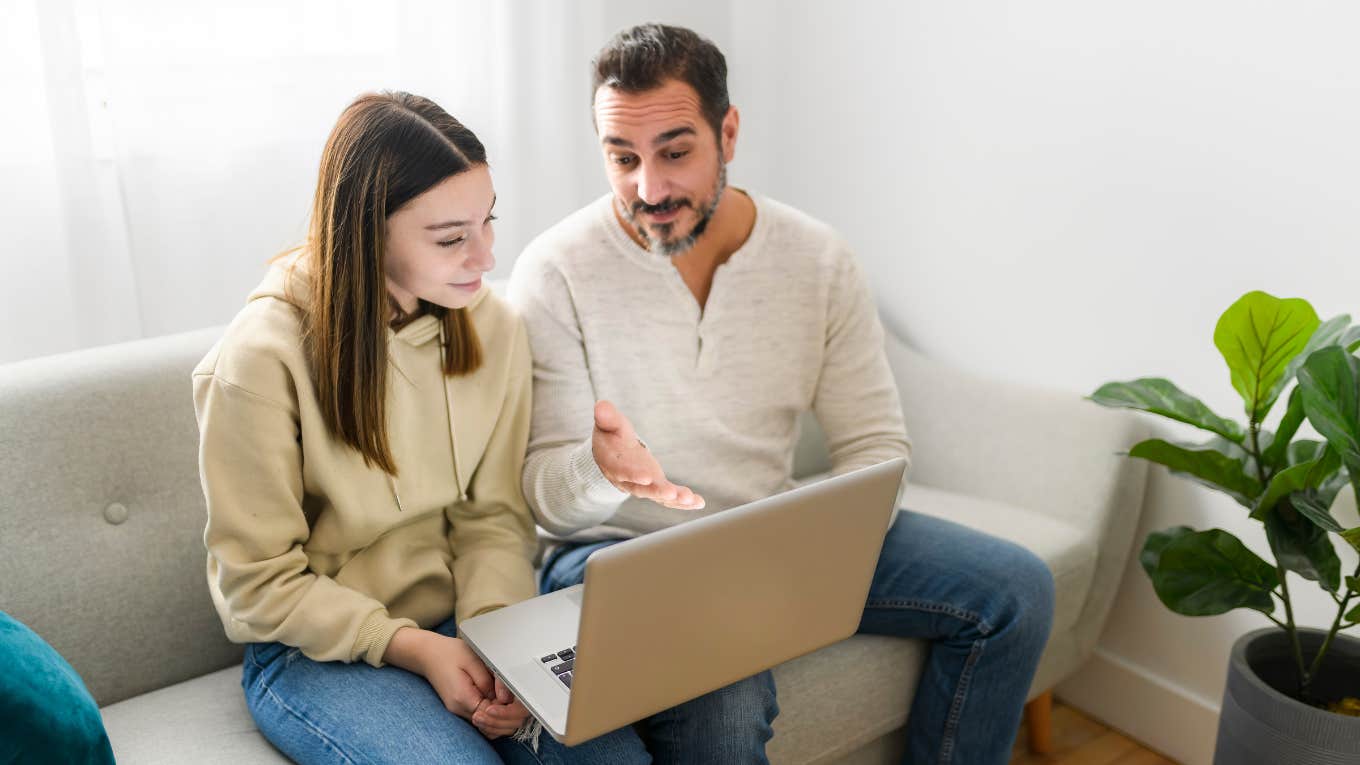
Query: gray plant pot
(1262,726)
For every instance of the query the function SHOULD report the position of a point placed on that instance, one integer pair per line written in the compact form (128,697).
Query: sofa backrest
(102,514)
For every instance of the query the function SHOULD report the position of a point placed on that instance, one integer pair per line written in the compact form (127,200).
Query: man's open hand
(627,463)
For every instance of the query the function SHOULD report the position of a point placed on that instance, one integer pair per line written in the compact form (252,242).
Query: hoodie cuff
(374,635)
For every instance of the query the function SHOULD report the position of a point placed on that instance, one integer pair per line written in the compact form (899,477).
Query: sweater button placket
(704,363)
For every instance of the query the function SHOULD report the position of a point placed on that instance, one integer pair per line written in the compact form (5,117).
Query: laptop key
(549,657)
(567,654)
(565,677)
(564,667)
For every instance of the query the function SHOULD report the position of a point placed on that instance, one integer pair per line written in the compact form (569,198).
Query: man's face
(663,161)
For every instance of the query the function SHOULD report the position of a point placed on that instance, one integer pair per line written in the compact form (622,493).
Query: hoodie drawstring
(448,409)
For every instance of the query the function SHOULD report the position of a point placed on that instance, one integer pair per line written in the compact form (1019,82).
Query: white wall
(1068,193)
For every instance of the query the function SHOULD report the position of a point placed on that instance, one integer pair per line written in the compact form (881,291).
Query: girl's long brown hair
(386,149)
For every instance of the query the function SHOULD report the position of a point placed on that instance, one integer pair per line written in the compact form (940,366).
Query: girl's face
(439,243)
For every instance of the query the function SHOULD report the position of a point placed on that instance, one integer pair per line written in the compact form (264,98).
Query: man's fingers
(687,499)
(683,499)
(632,468)
(635,479)
(656,493)
(666,493)
(608,418)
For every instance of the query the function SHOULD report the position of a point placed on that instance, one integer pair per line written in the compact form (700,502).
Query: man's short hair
(644,57)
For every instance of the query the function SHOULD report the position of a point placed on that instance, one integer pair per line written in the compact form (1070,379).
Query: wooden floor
(1079,740)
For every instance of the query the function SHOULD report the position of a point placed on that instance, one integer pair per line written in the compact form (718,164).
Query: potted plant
(1290,692)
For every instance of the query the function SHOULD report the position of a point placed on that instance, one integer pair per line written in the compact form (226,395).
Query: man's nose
(652,186)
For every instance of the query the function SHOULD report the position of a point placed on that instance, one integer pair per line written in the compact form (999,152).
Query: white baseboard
(1159,714)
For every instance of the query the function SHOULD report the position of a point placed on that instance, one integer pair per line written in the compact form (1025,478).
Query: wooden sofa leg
(1039,723)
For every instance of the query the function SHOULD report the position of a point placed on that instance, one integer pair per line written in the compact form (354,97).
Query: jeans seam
(934,608)
(308,724)
(965,677)
(951,723)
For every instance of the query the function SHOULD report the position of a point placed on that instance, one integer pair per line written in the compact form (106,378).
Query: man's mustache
(664,206)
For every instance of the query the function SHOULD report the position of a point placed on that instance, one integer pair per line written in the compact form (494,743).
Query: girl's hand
(467,688)
(460,679)
(501,715)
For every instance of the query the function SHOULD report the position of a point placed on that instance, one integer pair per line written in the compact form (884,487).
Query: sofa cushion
(836,700)
(204,720)
(46,713)
(1070,555)
(831,702)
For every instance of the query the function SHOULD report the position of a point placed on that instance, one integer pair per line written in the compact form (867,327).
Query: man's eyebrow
(455,223)
(669,135)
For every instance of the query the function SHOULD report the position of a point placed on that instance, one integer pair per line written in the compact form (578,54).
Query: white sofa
(101,551)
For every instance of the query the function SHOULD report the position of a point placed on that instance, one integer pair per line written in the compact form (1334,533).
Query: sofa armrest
(1049,451)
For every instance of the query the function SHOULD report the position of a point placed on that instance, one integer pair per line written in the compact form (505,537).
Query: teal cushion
(46,712)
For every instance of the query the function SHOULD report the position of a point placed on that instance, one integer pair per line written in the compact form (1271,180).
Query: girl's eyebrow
(455,223)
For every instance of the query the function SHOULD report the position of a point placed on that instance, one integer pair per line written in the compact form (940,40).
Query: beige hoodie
(310,547)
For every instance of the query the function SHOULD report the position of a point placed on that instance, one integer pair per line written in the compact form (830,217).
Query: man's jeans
(985,605)
(332,712)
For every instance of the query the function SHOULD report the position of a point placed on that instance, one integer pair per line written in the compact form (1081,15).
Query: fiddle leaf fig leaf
(1259,335)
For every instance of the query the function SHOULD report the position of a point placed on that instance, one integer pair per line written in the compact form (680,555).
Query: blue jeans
(985,605)
(332,712)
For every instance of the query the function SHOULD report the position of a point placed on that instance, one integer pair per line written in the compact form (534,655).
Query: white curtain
(154,154)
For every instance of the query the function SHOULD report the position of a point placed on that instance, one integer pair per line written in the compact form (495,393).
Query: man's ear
(731,124)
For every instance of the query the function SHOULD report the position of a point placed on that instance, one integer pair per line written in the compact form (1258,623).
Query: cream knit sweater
(789,327)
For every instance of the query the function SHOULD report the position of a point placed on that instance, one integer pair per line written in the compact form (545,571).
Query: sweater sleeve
(250,463)
(856,400)
(562,482)
(491,534)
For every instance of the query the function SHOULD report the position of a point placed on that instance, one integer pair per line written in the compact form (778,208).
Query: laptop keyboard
(561,663)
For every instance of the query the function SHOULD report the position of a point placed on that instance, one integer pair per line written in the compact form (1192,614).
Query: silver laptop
(669,616)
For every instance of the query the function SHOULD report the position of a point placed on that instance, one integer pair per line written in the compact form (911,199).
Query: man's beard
(658,235)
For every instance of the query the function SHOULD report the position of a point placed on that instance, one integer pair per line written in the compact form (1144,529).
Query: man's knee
(1028,591)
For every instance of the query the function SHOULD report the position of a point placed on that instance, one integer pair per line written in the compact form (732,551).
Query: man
(707,319)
